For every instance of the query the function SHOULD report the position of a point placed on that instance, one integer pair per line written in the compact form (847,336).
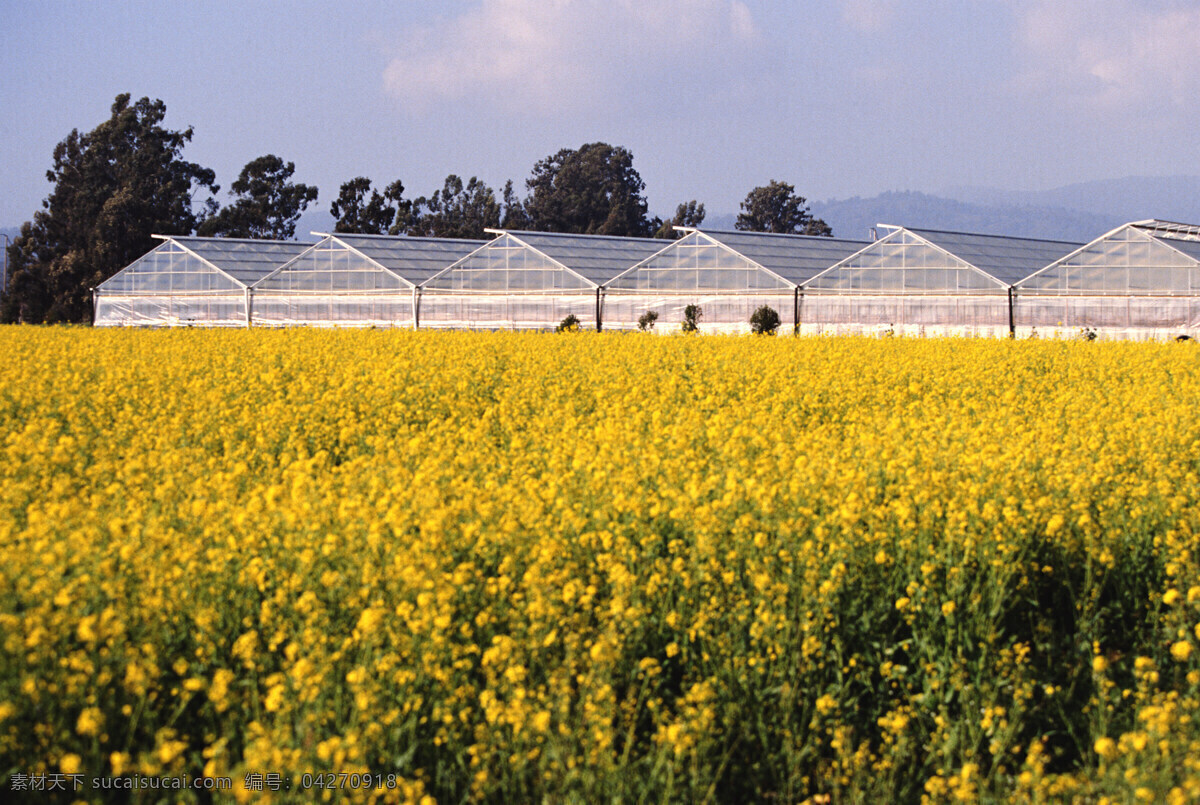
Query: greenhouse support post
(597,310)
(1012,326)
(247,308)
(796,310)
(416,308)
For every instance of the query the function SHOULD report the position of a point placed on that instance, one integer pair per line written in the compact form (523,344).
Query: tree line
(126,180)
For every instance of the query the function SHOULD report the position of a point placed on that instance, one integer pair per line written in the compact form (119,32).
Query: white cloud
(545,56)
(1112,55)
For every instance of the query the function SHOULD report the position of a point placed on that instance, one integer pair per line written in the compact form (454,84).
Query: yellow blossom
(90,721)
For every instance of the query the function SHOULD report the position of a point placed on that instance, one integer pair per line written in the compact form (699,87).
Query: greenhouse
(354,281)
(1140,281)
(925,282)
(529,280)
(190,281)
(728,275)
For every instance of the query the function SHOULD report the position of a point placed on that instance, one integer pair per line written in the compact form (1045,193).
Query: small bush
(647,320)
(568,325)
(764,321)
(691,318)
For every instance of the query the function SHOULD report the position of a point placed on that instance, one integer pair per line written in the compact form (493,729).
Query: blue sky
(713,97)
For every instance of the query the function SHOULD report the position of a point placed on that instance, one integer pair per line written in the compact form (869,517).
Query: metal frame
(896,233)
(239,289)
(1145,228)
(711,241)
(411,286)
(492,244)
(172,241)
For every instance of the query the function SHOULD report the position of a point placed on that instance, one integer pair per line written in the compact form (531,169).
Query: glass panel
(166,270)
(497,312)
(1127,261)
(902,263)
(329,266)
(355,310)
(505,266)
(697,264)
(905,315)
(170,311)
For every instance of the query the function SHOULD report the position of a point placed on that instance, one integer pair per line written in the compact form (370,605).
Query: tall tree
(592,190)
(690,213)
(456,211)
(114,187)
(266,204)
(359,209)
(513,215)
(775,207)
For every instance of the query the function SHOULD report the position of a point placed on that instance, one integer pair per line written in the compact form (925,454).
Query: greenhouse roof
(597,258)
(413,259)
(1138,258)
(245,261)
(1181,237)
(795,258)
(1006,259)
(1168,229)
(1189,247)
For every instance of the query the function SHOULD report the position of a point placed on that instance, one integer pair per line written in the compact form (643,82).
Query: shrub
(568,325)
(647,320)
(764,320)
(691,318)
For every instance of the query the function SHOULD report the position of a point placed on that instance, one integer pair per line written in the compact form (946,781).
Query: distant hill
(318,220)
(1078,212)
(720,222)
(854,217)
(1133,198)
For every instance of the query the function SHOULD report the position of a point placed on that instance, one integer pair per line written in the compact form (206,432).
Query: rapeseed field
(600,567)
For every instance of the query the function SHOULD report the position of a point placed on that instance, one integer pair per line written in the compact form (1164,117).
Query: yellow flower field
(601,567)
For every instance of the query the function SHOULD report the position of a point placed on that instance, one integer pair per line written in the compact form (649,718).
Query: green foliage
(456,211)
(776,208)
(764,320)
(593,190)
(514,215)
(267,203)
(647,320)
(114,187)
(690,213)
(374,214)
(568,325)
(691,318)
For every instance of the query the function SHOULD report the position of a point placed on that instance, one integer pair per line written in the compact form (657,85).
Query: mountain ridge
(856,217)
(1077,212)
